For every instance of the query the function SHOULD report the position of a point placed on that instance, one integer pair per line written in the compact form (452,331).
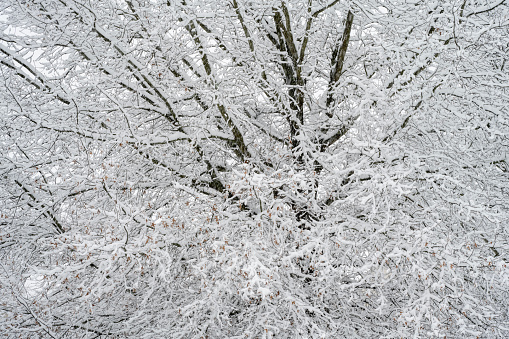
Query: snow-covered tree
(251,169)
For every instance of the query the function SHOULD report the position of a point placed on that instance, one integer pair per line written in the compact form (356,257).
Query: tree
(254,168)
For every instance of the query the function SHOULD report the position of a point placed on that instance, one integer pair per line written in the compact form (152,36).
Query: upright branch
(337,62)
(241,149)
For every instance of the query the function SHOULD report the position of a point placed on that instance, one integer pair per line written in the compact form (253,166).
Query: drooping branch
(46,212)
(39,80)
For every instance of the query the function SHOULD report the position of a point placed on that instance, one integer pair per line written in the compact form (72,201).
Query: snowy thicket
(252,169)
